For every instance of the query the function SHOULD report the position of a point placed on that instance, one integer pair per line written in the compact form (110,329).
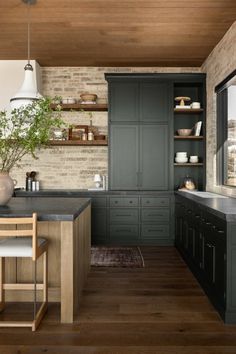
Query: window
(226,131)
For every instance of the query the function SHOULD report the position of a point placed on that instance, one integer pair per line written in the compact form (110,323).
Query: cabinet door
(220,275)
(124,157)
(154,157)
(154,102)
(124,101)
(99,225)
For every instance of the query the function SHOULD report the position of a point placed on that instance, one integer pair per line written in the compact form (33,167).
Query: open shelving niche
(80,107)
(193,145)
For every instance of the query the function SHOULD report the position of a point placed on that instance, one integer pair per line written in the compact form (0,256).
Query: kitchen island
(66,223)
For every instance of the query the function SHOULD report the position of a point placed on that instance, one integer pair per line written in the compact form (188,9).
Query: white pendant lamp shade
(28,91)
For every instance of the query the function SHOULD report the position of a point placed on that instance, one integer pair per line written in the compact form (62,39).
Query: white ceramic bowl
(181,159)
(184,132)
(181,154)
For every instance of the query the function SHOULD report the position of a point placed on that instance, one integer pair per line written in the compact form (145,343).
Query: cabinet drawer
(155,231)
(123,202)
(99,202)
(124,232)
(124,216)
(155,201)
(155,215)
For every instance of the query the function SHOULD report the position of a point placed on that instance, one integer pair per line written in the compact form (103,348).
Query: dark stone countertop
(84,192)
(225,208)
(48,209)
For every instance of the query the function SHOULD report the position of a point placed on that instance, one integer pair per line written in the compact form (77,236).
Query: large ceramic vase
(6,188)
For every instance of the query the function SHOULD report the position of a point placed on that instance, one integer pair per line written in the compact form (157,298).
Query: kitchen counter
(223,207)
(83,192)
(66,223)
(48,209)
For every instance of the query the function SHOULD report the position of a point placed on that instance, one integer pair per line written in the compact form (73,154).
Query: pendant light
(28,91)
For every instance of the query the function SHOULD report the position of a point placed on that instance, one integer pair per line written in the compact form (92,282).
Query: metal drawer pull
(156,214)
(197,216)
(220,231)
(208,223)
(123,215)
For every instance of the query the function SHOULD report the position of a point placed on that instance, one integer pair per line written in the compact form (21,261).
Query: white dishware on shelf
(181,154)
(195,105)
(181,159)
(193,159)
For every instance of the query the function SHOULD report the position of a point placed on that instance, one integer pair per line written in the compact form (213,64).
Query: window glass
(230,145)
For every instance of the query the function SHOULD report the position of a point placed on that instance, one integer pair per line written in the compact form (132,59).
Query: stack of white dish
(181,157)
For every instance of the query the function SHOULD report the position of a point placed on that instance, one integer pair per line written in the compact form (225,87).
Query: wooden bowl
(88,97)
(184,132)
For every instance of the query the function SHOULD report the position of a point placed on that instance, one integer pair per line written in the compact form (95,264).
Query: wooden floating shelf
(188,164)
(191,137)
(78,142)
(85,107)
(188,110)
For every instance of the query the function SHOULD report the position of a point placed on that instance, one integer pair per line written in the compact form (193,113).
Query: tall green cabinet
(139,115)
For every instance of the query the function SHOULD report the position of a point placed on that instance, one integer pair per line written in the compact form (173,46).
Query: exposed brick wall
(220,63)
(74,167)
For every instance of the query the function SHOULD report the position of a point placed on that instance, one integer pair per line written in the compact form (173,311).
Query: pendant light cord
(28,31)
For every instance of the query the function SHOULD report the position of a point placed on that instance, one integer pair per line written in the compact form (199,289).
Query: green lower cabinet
(99,225)
(208,245)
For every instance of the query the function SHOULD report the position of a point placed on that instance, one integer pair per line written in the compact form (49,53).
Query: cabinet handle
(123,215)
(208,223)
(197,216)
(189,211)
(220,232)
(130,201)
(214,227)
(123,230)
(155,214)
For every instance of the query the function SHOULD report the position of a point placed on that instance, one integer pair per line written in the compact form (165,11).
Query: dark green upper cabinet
(124,102)
(154,154)
(154,102)
(124,157)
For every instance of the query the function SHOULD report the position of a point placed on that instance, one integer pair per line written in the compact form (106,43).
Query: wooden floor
(157,309)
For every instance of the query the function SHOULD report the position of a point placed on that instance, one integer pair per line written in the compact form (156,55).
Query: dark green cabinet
(154,102)
(203,240)
(139,157)
(124,157)
(154,157)
(123,101)
(139,119)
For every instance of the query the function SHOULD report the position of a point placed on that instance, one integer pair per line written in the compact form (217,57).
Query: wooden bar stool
(23,242)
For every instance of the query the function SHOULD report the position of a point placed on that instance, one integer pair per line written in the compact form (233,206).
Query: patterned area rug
(117,257)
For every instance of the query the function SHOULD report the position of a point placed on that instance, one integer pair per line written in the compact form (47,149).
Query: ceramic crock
(6,187)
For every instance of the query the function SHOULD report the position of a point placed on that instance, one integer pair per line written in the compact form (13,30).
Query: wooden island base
(69,264)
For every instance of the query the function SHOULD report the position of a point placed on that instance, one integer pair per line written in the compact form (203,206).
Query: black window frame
(222,129)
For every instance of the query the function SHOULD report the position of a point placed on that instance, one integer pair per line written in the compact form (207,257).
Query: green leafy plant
(25,130)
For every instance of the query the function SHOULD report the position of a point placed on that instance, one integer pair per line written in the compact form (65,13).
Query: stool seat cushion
(19,246)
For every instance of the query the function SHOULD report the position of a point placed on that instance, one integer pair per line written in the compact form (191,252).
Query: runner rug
(116,257)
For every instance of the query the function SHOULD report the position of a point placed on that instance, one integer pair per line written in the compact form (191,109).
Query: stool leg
(2,281)
(45,277)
